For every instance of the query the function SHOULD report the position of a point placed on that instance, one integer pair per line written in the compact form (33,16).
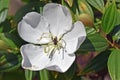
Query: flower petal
(34,57)
(32,18)
(61,62)
(75,37)
(31,30)
(58,17)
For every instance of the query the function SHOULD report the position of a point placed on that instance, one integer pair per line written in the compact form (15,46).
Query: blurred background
(92,57)
(14,6)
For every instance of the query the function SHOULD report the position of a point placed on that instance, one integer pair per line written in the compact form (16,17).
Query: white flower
(52,37)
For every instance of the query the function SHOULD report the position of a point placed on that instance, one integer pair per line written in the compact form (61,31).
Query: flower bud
(84,7)
(70,2)
(86,19)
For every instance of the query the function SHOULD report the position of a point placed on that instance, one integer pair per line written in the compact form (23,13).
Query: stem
(112,44)
(44,75)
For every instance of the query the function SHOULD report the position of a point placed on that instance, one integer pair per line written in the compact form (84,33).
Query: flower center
(54,46)
(55,41)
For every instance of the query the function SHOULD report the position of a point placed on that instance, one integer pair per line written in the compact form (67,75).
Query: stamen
(63,53)
(46,49)
(45,35)
(53,46)
(63,41)
(51,53)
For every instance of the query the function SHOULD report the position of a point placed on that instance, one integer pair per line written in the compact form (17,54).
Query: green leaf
(15,38)
(98,4)
(109,18)
(116,37)
(90,30)
(28,74)
(116,0)
(115,34)
(27,8)
(118,6)
(94,42)
(26,1)
(8,41)
(44,75)
(13,75)
(98,63)
(3,9)
(9,62)
(114,65)
(118,17)
(11,40)
(4,4)
(7,38)
(5,26)
(71,72)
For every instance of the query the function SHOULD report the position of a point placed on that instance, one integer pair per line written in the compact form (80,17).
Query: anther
(55,41)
